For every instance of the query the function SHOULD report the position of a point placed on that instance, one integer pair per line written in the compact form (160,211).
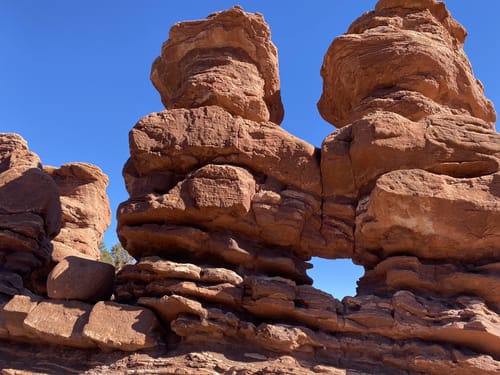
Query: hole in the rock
(337,277)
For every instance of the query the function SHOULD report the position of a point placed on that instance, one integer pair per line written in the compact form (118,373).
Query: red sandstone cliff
(226,208)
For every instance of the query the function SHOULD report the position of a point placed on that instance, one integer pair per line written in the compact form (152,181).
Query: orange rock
(401,45)
(226,60)
(85,207)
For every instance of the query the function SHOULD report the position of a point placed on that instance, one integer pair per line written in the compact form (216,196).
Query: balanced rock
(226,60)
(85,209)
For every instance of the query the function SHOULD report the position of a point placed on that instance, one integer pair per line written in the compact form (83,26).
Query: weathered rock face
(85,209)
(420,46)
(416,152)
(226,60)
(47,214)
(30,213)
(226,208)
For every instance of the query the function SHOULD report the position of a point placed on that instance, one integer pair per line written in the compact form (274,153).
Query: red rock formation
(226,208)
(39,204)
(226,60)
(30,214)
(85,208)
(416,152)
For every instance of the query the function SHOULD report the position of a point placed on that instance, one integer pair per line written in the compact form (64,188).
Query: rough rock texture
(424,67)
(47,214)
(106,325)
(226,60)
(82,279)
(86,214)
(85,209)
(226,208)
(30,214)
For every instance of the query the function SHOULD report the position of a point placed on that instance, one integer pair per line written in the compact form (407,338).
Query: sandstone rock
(59,323)
(18,197)
(169,307)
(230,203)
(30,212)
(225,209)
(458,146)
(430,216)
(420,47)
(133,328)
(448,279)
(82,279)
(193,137)
(226,60)
(15,312)
(14,152)
(85,206)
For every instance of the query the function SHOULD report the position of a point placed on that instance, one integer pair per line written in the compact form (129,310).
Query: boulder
(433,217)
(82,279)
(123,327)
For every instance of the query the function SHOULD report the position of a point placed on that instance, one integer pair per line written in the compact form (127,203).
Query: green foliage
(120,256)
(117,257)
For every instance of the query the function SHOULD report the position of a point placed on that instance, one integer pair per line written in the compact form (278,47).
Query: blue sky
(74,75)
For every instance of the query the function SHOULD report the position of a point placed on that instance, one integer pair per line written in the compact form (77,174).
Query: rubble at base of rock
(226,209)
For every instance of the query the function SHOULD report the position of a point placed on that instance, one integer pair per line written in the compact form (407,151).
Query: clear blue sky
(74,75)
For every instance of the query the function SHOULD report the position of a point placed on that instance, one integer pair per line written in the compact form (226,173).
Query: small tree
(120,256)
(105,255)
(117,257)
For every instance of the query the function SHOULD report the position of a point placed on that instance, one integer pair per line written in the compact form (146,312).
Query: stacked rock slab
(30,214)
(86,214)
(214,181)
(421,149)
(225,207)
(51,217)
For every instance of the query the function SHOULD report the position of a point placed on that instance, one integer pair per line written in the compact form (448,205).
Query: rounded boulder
(81,279)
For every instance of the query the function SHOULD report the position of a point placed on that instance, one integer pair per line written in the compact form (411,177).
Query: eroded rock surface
(30,214)
(226,60)
(226,209)
(85,207)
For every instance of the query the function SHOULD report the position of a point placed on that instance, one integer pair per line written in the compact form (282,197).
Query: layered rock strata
(30,214)
(86,213)
(226,209)
(46,215)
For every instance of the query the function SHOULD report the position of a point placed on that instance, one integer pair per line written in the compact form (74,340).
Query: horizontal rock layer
(106,325)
